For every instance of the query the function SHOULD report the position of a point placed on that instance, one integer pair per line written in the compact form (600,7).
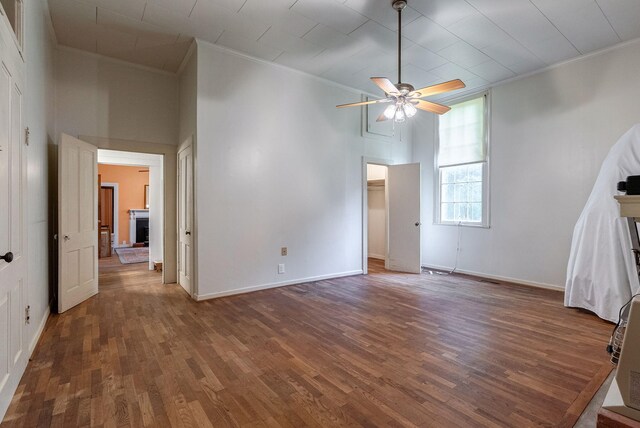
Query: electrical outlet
(281,268)
(283,251)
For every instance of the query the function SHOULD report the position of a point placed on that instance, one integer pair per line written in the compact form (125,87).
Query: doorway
(376,216)
(130,213)
(391,216)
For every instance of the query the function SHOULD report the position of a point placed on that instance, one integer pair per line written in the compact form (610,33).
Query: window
(13,9)
(462,168)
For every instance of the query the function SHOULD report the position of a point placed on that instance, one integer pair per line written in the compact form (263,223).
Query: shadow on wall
(560,89)
(52,179)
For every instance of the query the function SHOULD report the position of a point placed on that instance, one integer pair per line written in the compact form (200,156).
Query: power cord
(610,347)
(455,265)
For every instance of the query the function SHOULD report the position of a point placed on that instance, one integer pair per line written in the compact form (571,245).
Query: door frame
(169,177)
(365,209)
(115,243)
(189,141)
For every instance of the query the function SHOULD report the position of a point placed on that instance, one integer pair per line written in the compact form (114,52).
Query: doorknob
(7,257)
(66,237)
(418,223)
(188,232)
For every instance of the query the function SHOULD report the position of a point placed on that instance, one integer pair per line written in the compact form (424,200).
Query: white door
(185,218)
(13,243)
(77,222)
(403,187)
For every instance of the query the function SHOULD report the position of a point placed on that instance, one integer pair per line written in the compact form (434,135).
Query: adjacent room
(319,213)
(130,224)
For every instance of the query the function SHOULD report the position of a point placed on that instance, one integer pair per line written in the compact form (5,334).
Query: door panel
(4,340)
(185,218)
(403,187)
(17,216)
(13,215)
(5,114)
(16,323)
(78,228)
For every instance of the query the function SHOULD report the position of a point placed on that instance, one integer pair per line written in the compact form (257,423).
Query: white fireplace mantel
(133,215)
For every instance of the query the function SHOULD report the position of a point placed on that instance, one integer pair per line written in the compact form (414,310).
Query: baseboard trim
(19,369)
(376,256)
(516,281)
(208,296)
(36,337)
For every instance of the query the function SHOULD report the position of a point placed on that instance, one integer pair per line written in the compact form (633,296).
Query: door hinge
(27,315)
(27,133)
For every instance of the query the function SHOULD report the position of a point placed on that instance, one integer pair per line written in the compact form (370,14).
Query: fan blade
(385,84)
(383,100)
(451,85)
(432,107)
(382,118)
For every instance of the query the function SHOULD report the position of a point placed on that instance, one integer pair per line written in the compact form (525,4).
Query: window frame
(18,32)
(486,197)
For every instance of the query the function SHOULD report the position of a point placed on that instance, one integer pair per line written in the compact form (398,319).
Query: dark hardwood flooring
(387,349)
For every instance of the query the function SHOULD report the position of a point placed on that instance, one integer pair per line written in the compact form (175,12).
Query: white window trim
(486,176)
(18,34)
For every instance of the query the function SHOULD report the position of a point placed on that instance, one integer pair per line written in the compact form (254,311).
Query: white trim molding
(515,281)
(249,289)
(36,337)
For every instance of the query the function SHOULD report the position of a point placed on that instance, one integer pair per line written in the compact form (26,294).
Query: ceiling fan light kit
(404,98)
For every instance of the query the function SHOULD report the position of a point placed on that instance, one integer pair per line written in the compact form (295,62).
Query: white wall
(100,97)
(39,117)
(277,165)
(188,96)
(156,194)
(549,135)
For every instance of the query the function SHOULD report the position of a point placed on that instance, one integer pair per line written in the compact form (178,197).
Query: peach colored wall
(131,184)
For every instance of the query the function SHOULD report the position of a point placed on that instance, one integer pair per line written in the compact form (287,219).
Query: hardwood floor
(387,349)
(114,275)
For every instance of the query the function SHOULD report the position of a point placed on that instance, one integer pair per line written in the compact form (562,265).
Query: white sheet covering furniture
(601,273)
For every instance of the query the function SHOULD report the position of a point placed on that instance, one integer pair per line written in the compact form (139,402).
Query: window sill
(452,223)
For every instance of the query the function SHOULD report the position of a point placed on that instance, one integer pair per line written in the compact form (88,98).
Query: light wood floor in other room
(386,349)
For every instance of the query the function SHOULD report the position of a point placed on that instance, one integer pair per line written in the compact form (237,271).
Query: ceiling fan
(405,99)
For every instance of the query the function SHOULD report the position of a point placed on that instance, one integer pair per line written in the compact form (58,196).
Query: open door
(77,222)
(185,218)
(403,187)
(13,232)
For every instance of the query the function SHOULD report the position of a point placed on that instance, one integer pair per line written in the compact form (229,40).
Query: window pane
(475,172)
(461,193)
(461,197)
(448,175)
(446,213)
(476,213)
(446,192)
(461,173)
(475,195)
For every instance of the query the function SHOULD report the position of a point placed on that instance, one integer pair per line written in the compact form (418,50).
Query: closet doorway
(376,216)
(391,216)
(107,217)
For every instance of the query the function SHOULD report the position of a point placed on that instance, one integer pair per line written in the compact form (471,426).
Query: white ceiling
(347,41)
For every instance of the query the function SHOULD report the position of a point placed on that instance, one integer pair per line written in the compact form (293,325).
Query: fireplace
(139,227)
(142,231)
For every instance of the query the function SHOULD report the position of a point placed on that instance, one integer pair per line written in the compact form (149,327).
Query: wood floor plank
(388,349)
